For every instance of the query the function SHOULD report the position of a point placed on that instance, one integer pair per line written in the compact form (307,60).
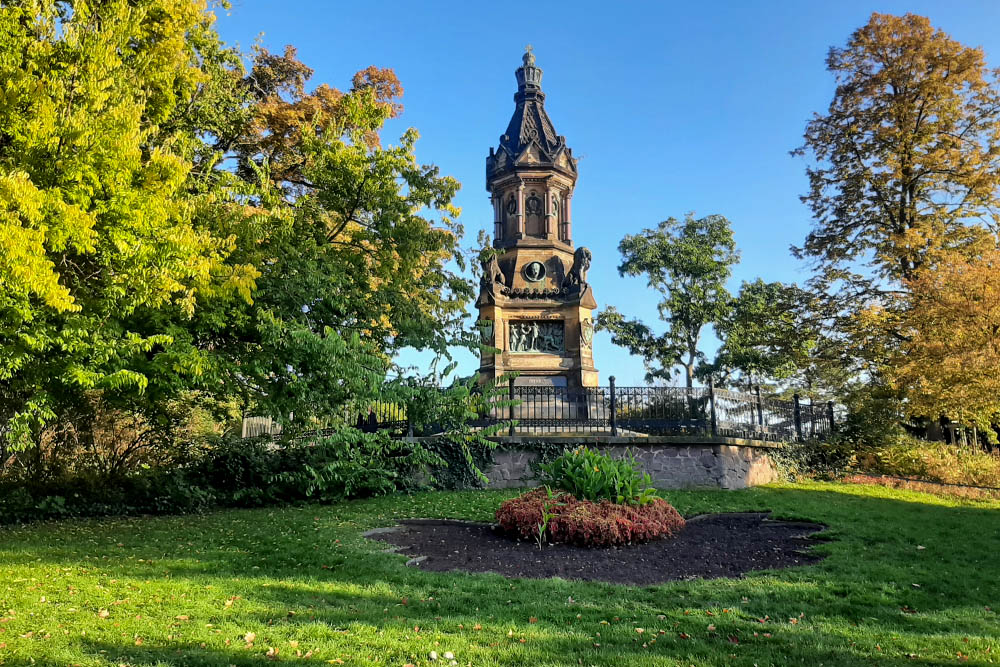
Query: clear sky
(670,106)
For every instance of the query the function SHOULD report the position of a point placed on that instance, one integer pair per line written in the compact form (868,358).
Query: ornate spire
(530,139)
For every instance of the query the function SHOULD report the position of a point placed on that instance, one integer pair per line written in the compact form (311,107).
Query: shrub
(591,475)
(936,461)
(587,523)
(236,473)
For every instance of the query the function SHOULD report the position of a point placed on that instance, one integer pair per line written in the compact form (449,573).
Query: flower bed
(560,517)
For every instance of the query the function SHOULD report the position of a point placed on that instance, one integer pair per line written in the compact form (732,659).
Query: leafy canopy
(688,262)
(179,228)
(906,166)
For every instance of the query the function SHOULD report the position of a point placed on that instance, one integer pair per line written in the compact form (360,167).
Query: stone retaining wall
(673,463)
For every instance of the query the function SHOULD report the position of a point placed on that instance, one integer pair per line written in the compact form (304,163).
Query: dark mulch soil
(713,545)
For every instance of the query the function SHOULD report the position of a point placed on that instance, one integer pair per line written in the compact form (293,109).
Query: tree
(96,223)
(353,265)
(907,165)
(766,334)
(688,262)
(180,232)
(949,364)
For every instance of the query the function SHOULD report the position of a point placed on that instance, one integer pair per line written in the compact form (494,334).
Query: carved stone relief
(485,331)
(537,336)
(586,333)
(534,271)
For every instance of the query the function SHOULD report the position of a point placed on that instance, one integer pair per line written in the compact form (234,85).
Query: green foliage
(235,473)
(550,503)
(936,461)
(688,262)
(766,335)
(590,475)
(351,464)
(179,230)
(103,254)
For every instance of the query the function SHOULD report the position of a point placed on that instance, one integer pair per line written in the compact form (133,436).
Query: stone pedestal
(548,339)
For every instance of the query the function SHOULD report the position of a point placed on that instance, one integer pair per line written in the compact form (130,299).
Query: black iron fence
(641,411)
(625,411)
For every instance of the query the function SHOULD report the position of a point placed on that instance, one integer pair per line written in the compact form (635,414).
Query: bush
(591,475)
(565,519)
(937,461)
(236,473)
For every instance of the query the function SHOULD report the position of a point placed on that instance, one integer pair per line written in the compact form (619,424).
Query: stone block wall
(673,463)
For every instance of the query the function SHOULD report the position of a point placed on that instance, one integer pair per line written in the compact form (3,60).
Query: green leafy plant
(590,475)
(548,505)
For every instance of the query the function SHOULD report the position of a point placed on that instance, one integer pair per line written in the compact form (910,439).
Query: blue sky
(672,107)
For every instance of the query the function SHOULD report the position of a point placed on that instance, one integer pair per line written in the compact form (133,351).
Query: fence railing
(626,411)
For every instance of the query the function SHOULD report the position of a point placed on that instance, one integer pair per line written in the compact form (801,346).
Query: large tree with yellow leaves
(177,226)
(907,166)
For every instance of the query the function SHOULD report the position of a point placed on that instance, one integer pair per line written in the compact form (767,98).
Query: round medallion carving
(534,271)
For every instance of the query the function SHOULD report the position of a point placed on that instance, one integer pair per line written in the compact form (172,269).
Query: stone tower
(535,305)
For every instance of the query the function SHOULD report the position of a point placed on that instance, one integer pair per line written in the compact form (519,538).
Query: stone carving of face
(534,271)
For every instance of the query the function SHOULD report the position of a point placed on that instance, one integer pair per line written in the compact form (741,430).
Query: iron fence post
(829,414)
(812,417)
(711,407)
(798,419)
(409,422)
(760,408)
(510,395)
(614,407)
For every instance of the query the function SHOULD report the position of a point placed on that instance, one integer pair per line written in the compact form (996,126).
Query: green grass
(191,590)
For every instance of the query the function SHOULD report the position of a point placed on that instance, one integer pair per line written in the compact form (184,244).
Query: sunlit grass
(908,578)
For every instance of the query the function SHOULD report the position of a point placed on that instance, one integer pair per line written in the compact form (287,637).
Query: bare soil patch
(710,546)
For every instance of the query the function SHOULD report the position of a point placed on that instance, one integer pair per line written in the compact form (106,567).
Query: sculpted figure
(492,275)
(577,275)
(515,337)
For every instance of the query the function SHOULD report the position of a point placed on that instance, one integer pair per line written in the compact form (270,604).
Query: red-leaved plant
(587,523)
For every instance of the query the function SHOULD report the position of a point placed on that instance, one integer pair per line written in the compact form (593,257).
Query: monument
(535,305)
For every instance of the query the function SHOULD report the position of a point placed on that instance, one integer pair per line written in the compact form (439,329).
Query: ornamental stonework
(534,287)
(543,337)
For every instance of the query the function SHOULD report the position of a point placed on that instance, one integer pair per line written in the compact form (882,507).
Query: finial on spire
(529,57)
(529,75)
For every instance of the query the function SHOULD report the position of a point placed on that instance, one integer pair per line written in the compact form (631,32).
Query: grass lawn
(908,579)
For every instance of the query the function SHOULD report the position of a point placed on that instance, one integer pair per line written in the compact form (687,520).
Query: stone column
(519,216)
(552,216)
(567,224)
(497,217)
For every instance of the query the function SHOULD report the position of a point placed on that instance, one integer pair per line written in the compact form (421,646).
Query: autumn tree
(688,262)
(354,264)
(906,165)
(180,228)
(949,363)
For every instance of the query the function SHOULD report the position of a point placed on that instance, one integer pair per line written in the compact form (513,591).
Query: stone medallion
(534,271)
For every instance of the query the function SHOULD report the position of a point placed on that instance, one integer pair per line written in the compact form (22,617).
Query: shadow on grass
(900,579)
